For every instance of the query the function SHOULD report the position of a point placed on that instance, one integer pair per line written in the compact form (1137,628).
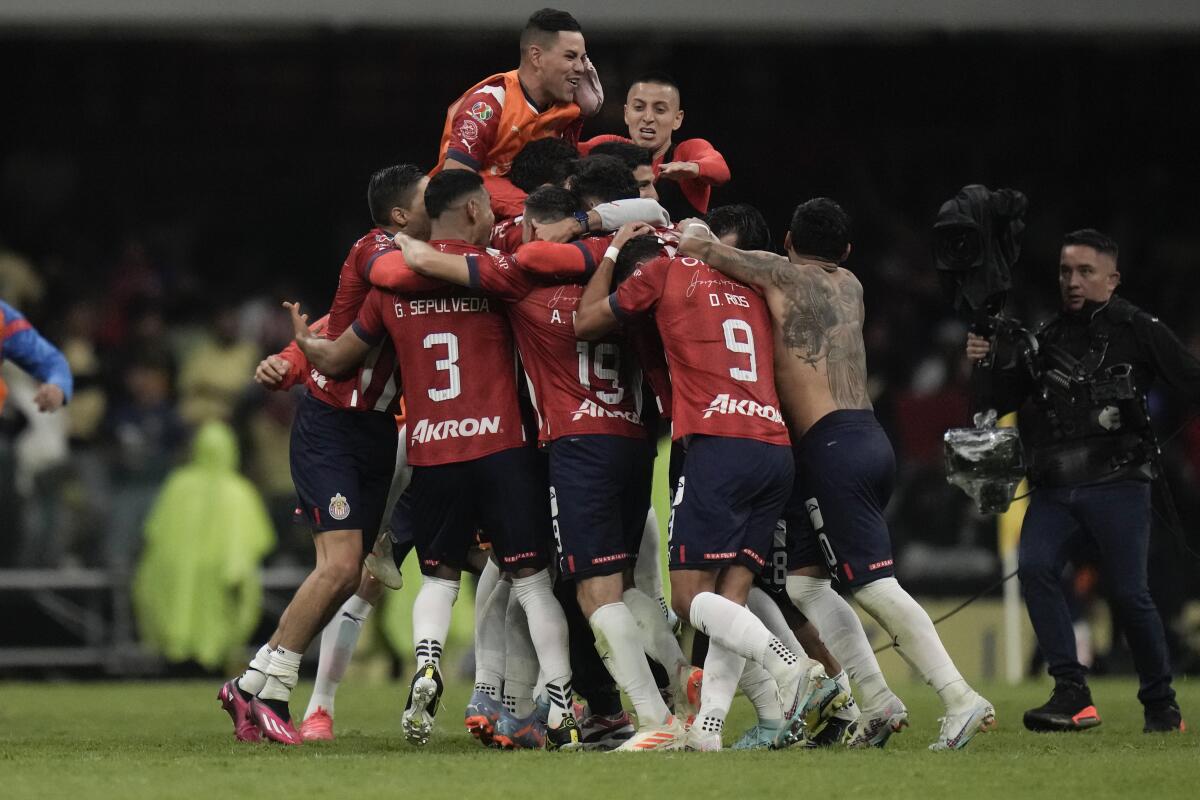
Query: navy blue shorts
(727,502)
(845,470)
(342,463)
(599,497)
(503,494)
(773,578)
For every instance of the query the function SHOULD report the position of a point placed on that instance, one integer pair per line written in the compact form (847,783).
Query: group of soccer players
(544,323)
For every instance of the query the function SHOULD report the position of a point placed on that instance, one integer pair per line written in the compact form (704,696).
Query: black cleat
(1068,709)
(566,736)
(1164,718)
(423,696)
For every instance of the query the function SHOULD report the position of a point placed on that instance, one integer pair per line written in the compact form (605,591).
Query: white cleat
(381,565)
(671,735)
(702,740)
(876,725)
(977,716)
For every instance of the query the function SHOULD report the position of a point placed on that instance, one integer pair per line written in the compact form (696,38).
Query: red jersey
(696,191)
(719,346)
(507,234)
(375,386)
(459,365)
(577,387)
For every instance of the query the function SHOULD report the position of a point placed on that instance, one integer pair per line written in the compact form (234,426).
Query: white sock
(282,675)
(658,640)
(255,676)
(762,606)
(843,634)
(762,692)
(647,572)
(431,618)
(520,662)
(548,629)
(722,670)
(337,648)
(489,639)
(735,628)
(619,646)
(916,639)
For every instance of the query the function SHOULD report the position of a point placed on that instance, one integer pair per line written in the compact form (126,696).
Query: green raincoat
(197,592)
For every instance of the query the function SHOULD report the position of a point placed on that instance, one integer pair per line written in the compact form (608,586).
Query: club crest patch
(339,507)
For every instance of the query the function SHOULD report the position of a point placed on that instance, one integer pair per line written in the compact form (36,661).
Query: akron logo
(339,507)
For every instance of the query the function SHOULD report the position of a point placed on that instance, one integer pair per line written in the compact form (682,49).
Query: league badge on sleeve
(481,111)
(339,507)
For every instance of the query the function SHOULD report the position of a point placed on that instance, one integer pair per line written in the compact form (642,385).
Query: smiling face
(652,113)
(559,64)
(1084,273)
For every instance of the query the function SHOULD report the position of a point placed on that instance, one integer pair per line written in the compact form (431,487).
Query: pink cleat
(317,726)
(238,708)
(273,726)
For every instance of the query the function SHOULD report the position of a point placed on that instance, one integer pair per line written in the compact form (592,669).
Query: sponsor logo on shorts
(590,408)
(879,565)
(519,556)
(814,513)
(339,507)
(719,556)
(425,431)
(724,404)
(610,559)
(755,557)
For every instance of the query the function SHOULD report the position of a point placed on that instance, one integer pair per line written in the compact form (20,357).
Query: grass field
(162,740)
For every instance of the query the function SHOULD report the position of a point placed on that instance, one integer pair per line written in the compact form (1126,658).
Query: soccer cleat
(960,727)
(566,736)
(236,704)
(816,699)
(702,740)
(875,727)
(837,727)
(688,682)
(516,733)
(272,724)
(317,726)
(481,716)
(423,696)
(381,565)
(760,737)
(1164,718)
(1069,708)
(668,736)
(599,732)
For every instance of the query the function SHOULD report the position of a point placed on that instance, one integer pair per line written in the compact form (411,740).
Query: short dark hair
(446,187)
(637,250)
(820,228)
(661,78)
(390,187)
(630,153)
(743,219)
(547,21)
(550,204)
(542,161)
(1090,237)
(603,179)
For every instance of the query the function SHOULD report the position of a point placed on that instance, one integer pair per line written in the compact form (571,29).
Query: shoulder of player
(690,147)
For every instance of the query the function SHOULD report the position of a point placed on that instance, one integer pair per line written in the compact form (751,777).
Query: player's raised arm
(596,315)
(753,267)
(329,356)
(426,260)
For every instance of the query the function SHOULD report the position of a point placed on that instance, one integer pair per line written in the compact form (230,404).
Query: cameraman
(1091,458)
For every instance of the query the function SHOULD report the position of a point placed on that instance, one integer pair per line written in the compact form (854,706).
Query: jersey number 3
(448,364)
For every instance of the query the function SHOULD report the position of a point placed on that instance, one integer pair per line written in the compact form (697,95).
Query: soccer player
(24,346)
(684,173)
(638,159)
(737,475)
(844,466)
(472,467)
(588,400)
(541,98)
(342,453)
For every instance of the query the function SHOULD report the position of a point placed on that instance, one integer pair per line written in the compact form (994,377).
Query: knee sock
(763,693)
(337,648)
(843,634)
(647,574)
(489,639)
(735,628)
(548,629)
(722,670)
(762,606)
(619,646)
(282,675)
(658,640)
(255,677)
(916,640)
(520,662)
(431,618)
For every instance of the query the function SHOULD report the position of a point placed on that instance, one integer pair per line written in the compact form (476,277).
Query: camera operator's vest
(1092,423)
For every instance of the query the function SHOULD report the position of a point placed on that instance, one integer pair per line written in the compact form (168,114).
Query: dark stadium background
(235,164)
